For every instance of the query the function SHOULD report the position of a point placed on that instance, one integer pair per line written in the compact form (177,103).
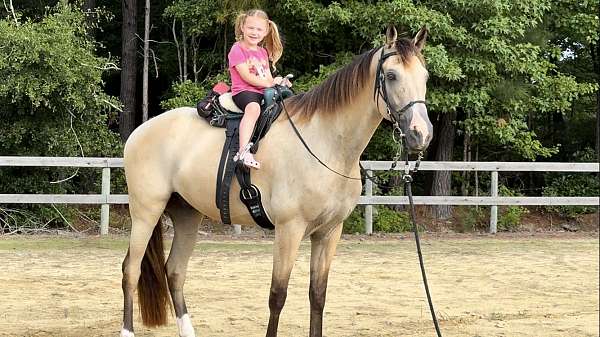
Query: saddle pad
(226,102)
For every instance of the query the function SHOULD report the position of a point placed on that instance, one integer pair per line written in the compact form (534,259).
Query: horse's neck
(343,135)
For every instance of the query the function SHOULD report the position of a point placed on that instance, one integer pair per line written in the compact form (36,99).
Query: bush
(509,218)
(472,218)
(355,223)
(53,104)
(188,93)
(573,185)
(390,221)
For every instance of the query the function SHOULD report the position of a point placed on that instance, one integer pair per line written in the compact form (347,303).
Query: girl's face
(254,29)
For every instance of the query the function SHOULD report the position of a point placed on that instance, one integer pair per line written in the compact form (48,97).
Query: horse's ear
(391,35)
(419,39)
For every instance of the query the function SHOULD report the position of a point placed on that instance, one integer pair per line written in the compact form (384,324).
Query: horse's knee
(175,280)
(277,298)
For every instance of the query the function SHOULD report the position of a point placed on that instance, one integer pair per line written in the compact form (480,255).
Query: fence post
(104,210)
(369,208)
(494,208)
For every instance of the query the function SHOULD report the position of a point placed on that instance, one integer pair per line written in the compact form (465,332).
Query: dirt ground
(481,286)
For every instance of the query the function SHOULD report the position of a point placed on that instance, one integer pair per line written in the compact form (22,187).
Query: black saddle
(226,114)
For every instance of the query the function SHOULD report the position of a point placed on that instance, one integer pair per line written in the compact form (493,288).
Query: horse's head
(400,87)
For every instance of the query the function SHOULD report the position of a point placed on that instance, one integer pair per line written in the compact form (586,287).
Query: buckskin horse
(171,164)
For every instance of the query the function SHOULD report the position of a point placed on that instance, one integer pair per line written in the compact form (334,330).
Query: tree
(146,56)
(128,69)
(53,103)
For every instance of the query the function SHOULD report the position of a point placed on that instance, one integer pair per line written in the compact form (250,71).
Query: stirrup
(246,157)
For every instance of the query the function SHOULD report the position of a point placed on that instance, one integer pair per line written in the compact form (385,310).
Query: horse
(171,164)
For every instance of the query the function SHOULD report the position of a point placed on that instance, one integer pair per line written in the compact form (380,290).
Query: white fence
(368,199)
(493,200)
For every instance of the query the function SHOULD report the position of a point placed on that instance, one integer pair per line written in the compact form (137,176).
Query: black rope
(408,180)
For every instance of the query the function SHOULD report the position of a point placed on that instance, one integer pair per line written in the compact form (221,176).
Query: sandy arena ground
(481,286)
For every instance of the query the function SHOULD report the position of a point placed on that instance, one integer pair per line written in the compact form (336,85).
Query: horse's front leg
(285,249)
(323,246)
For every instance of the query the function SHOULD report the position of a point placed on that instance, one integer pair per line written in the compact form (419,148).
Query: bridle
(381,91)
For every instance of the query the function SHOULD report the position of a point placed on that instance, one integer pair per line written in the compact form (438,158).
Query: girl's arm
(244,71)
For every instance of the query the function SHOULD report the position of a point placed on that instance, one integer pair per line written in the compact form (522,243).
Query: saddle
(219,110)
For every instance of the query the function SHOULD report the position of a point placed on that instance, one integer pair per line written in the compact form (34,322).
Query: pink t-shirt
(258,62)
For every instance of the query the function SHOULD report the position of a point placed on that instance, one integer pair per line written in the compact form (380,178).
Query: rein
(380,91)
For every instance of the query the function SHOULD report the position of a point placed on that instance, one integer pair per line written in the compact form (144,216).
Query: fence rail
(368,199)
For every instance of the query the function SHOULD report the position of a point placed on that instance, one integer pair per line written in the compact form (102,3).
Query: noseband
(380,90)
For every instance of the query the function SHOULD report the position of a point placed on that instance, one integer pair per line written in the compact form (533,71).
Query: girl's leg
(250,103)
(251,113)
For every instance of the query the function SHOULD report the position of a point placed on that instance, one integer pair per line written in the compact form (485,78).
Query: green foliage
(510,216)
(188,93)
(355,223)
(53,102)
(517,74)
(391,221)
(574,185)
(472,218)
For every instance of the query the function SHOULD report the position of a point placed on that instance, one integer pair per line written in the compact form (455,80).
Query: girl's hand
(282,81)
(277,80)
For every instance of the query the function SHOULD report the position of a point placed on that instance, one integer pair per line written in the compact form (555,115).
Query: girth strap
(227,168)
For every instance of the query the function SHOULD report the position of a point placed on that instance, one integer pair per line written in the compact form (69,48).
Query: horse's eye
(390,76)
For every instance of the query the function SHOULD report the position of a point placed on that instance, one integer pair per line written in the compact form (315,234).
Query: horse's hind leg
(322,250)
(285,249)
(144,219)
(185,221)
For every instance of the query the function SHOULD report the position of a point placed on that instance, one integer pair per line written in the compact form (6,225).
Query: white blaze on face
(417,75)
(419,122)
(184,324)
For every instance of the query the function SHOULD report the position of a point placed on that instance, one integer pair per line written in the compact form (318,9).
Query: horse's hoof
(185,326)
(127,333)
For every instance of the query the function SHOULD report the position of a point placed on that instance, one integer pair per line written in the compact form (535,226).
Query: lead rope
(407,186)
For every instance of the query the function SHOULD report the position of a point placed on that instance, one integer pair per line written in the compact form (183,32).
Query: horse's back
(157,150)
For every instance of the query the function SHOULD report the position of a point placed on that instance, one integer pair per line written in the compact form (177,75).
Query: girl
(250,73)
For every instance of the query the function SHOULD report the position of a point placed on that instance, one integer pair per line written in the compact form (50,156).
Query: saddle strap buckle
(249,193)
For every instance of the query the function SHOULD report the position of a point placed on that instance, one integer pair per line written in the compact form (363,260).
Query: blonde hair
(271,42)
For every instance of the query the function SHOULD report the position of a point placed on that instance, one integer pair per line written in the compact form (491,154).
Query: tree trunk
(174,30)
(442,180)
(595,53)
(184,44)
(146,56)
(128,69)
